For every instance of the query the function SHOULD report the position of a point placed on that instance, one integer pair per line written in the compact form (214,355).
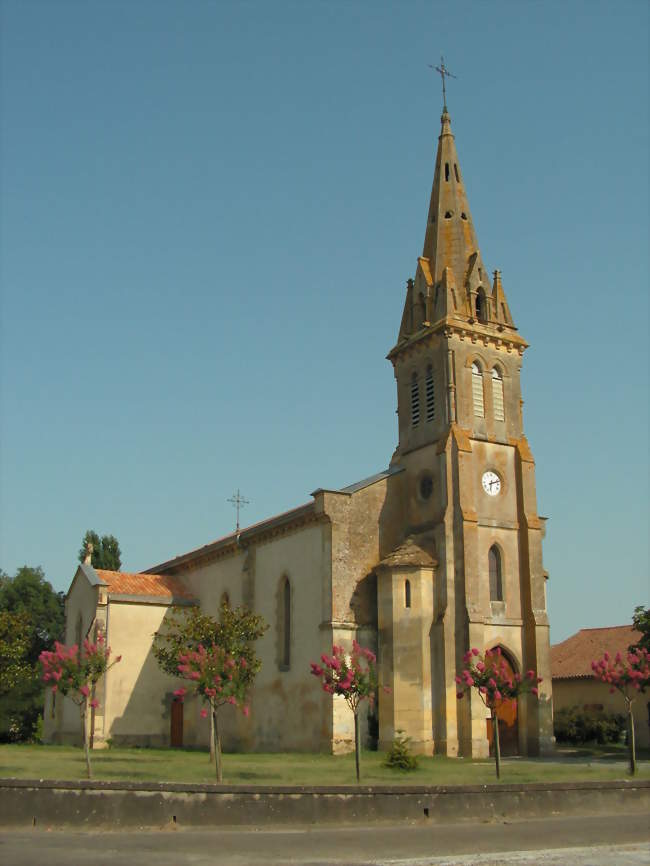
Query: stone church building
(440,552)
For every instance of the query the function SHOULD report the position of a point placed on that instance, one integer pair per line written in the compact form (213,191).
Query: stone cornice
(499,336)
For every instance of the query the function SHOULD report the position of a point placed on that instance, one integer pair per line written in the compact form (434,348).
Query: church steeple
(451,279)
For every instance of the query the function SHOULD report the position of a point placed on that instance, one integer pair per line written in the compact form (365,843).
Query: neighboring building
(440,552)
(575,686)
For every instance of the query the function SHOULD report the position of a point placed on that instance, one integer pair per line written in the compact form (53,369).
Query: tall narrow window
(407,593)
(497,395)
(477,391)
(496,582)
(423,307)
(415,400)
(446,171)
(481,306)
(430,394)
(286,623)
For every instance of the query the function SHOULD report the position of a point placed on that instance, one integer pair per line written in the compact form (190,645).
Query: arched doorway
(508,720)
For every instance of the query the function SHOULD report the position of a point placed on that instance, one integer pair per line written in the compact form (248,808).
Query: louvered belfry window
(477,391)
(415,400)
(430,395)
(497,396)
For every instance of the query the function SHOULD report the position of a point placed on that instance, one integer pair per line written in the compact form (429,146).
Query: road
(617,840)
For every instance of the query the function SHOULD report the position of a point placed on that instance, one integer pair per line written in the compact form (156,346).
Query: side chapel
(440,552)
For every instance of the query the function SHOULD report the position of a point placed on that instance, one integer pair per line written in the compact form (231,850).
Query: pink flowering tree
(218,678)
(492,677)
(74,671)
(353,677)
(629,675)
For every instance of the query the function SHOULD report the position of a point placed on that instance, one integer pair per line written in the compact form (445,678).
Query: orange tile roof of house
(573,657)
(156,585)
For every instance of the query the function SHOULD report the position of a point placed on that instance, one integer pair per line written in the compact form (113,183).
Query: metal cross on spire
(238,502)
(444,72)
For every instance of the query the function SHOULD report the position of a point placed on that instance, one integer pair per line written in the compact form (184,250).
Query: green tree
(105,553)
(37,612)
(14,645)
(641,622)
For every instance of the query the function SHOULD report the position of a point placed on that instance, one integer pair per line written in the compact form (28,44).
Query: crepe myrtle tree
(628,674)
(352,677)
(73,671)
(495,683)
(218,678)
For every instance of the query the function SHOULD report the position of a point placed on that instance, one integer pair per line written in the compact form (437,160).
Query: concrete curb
(86,805)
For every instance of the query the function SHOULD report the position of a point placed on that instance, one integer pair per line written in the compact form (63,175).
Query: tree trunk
(83,707)
(357,744)
(217,744)
(212,748)
(497,746)
(631,746)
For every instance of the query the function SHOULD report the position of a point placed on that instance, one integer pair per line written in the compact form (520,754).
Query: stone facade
(440,552)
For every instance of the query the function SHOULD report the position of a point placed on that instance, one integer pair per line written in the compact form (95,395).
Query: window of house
(477,391)
(496,581)
(415,400)
(407,593)
(430,394)
(497,395)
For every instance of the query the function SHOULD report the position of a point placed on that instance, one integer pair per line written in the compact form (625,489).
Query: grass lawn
(177,765)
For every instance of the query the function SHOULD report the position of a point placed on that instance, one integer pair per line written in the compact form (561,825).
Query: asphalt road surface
(617,840)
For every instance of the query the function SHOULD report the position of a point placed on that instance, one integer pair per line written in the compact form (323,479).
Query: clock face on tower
(491,483)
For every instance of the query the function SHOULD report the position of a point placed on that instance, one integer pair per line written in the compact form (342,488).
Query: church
(439,552)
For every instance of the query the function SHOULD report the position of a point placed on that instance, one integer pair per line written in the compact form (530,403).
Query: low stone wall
(122,804)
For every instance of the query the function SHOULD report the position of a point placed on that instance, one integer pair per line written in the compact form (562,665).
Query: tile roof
(573,657)
(148,585)
(410,552)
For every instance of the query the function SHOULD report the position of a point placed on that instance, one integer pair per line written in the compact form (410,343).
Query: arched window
(477,391)
(481,306)
(496,581)
(430,394)
(497,395)
(415,400)
(407,593)
(285,630)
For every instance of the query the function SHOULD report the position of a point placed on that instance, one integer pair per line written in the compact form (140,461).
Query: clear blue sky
(209,211)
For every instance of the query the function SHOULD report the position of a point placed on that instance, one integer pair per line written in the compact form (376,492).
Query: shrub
(576,726)
(400,756)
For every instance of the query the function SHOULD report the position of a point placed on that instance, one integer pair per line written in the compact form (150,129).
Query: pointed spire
(450,239)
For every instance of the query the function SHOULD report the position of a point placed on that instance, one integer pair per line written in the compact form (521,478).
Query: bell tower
(467,484)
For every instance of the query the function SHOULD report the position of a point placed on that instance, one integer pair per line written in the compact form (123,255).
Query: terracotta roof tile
(573,657)
(156,585)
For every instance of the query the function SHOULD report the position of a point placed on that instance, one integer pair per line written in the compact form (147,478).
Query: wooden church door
(508,723)
(176,734)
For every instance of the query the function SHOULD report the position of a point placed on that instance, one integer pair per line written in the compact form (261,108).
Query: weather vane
(444,72)
(238,502)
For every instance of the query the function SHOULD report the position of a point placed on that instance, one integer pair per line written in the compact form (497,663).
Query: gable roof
(573,657)
(145,586)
